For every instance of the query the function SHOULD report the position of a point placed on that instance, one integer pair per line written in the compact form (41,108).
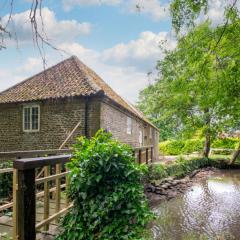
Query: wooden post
(46,196)
(140,156)
(66,189)
(152,154)
(58,189)
(146,155)
(26,205)
(15,201)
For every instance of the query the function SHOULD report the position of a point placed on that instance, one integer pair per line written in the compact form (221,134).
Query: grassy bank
(182,167)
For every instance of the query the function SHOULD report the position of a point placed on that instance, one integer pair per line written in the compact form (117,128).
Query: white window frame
(140,139)
(129,125)
(23,118)
(151,133)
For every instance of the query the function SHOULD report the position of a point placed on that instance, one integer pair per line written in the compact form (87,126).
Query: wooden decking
(6,220)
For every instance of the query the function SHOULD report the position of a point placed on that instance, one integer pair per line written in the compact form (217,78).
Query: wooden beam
(46,197)
(26,205)
(31,163)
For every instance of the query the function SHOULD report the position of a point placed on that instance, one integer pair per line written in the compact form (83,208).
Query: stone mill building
(68,99)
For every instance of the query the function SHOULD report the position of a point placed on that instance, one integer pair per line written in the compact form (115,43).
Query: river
(209,210)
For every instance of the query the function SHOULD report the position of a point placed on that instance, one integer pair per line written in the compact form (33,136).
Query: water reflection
(210,210)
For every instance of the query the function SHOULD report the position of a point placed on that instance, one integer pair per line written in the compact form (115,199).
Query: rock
(158,190)
(175,182)
(168,180)
(150,189)
(191,175)
(166,185)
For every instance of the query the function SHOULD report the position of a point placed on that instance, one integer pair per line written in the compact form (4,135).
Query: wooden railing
(24,154)
(29,174)
(144,154)
(25,193)
(32,153)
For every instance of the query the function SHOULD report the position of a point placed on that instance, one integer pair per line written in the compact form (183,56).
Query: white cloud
(56,30)
(69,4)
(142,53)
(30,64)
(216,11)
(126,81)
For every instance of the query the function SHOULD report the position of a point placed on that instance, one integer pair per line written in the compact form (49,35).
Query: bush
(228,143)
(193,145)
(180,168)
(173,147)
(106,190)
(6,181)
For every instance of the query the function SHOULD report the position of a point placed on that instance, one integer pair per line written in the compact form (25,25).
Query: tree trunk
(236,154)
(207,144)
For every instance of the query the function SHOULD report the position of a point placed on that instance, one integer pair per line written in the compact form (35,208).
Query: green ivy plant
(106,190)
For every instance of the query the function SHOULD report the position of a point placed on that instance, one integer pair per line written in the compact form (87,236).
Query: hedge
(177,147)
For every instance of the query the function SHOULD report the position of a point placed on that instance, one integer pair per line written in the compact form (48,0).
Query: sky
(115,39)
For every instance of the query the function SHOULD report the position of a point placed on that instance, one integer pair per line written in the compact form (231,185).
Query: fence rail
(52,176)
(32,153)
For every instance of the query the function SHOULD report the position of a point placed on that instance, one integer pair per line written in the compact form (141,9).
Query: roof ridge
(91,82)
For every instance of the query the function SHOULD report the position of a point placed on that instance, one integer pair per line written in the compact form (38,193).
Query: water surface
(209,210)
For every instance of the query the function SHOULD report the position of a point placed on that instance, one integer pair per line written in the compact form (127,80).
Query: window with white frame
(150,133)
(31,118)
(129,125)
(140,137)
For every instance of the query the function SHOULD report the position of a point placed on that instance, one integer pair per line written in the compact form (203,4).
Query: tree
(185,12)
(198,84)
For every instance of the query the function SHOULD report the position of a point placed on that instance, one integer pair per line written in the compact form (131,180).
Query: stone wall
(114,119)
(57,120)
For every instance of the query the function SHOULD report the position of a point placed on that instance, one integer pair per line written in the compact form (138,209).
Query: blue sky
(120,43)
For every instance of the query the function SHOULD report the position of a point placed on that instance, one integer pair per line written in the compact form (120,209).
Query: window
(150,133)
(129,125)
(31,118)
(140,137)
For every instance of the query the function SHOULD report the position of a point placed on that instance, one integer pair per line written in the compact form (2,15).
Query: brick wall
(57,120)
(114,120)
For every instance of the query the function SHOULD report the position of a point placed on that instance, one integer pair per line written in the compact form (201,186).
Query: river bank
(167,181)
(169,188)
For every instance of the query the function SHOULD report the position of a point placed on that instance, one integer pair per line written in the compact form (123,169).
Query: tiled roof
(68,78)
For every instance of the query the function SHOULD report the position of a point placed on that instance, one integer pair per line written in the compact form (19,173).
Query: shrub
(106,190)
(173,147)
(6,181)
(179,168)
(229,143)
(193,145)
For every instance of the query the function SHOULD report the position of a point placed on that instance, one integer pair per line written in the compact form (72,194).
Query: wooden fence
(29,174)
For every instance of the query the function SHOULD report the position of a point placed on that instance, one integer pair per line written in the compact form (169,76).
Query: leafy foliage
(181,167)
(173,147)
(6,181)
(106,189)
(185,12)
(177,147)
(199,84)
(228,143)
